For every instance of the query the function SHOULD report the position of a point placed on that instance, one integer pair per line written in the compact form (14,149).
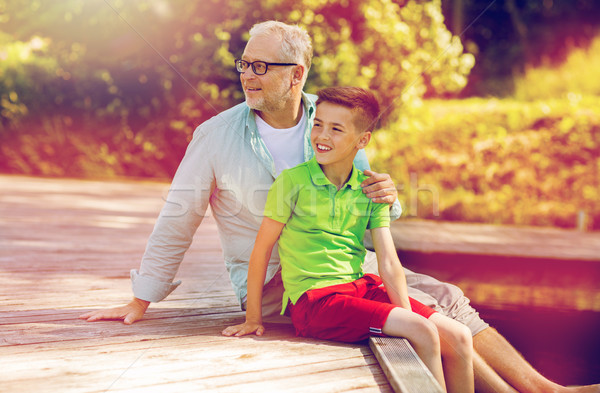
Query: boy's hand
(244,329)
(130,313)
(379,187)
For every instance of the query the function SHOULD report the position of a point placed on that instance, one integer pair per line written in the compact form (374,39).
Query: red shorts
(348,312)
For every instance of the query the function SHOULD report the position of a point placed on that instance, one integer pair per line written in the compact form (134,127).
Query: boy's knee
(465,338)
(429,333)
(462,339)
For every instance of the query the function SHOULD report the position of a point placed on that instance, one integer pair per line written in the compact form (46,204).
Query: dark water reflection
(547,308)
(563,345)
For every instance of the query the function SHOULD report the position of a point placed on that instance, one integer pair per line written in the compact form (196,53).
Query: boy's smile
(322,148)
(336,140)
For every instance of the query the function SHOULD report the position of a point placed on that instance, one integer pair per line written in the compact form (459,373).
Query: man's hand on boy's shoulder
(244,329)
(379,187)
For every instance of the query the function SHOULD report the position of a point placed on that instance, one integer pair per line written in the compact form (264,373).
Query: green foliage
(58,146)
(115,88)
(403,53)
(507,37)
(531,160)
(139,60)
(497,161)
(24,72)
(82,81)
(578,76)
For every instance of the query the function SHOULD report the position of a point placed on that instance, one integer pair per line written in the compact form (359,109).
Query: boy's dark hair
(361,101)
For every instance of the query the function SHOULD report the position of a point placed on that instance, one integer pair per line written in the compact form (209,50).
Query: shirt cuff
(150,289)
(395,211)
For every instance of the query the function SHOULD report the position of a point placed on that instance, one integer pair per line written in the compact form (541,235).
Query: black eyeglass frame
(239,63)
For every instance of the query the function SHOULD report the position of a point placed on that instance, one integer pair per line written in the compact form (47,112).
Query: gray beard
(268,105)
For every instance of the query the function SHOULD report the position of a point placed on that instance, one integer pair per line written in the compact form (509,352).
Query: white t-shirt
(286,145)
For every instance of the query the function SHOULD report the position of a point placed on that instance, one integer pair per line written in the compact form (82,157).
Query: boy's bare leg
(456,344)
(422,335)
(497,352)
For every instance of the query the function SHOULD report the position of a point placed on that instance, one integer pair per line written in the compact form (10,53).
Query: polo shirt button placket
(332,202)
(338,207)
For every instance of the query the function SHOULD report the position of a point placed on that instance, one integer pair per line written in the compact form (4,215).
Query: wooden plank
(402,366)
(218,364)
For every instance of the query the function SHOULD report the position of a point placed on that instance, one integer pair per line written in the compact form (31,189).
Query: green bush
(60,146)
(578,76)
(496,161)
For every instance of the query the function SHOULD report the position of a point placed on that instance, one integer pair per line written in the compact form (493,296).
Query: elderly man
(230,164)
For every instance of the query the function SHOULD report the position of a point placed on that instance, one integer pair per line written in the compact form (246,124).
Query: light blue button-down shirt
(228,166)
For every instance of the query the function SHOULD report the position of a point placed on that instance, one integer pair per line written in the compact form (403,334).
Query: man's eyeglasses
(258,67)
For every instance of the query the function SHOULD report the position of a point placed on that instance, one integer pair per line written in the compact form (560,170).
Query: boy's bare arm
(257,269)
(390,267)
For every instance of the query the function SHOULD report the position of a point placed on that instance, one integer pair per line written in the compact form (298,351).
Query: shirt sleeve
(182,213)
(361,161)
(380,215)
(395,210)
(281,199)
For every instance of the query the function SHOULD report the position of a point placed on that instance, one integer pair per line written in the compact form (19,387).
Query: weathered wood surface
(402,366)
(66,247)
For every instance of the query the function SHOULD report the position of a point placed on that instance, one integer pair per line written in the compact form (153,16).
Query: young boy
(319,214)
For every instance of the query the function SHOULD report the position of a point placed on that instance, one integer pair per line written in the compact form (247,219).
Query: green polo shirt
(322,241)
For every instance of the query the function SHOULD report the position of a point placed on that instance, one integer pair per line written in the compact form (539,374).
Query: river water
(563,345)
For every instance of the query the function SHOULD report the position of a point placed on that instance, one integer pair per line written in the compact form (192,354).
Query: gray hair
(296,45)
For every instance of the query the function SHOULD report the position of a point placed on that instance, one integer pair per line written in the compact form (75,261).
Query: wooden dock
(66,247)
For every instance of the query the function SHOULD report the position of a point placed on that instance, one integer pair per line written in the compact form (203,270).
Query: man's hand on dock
(130,313)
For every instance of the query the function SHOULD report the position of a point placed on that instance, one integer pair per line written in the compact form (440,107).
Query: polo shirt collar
(319,178)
